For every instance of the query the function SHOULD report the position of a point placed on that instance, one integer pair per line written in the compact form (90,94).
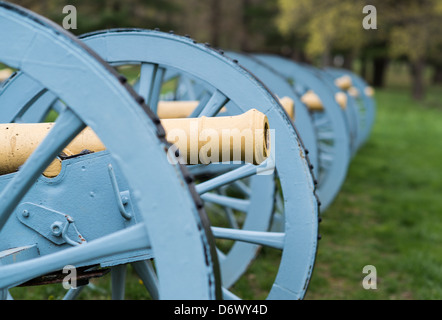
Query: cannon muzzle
(314,103)
(369,91)
(341,99)
(344,82)
(5,74)
(199,140)
(353,91)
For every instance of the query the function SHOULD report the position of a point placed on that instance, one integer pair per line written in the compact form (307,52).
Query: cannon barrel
(369,91)
(353,91)
(341,99)
(344,82)
(5,74)
(314,103)
(199,140)
(289,106)
(183,109)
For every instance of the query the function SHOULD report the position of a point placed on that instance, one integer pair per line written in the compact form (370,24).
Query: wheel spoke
(325,148)
(269,239)
(237,204)
(242,187)
(186,88)
(148,80)
(29,108)
(67,126)
(325,157)
(211,169)
(325,135)
(118,275)
(321,121)
(147,274)
(40,109)
(244,171)
(212,107)
(228,211)
(156,89)
(228,295)
(221,255)
(73,293)
(129,239)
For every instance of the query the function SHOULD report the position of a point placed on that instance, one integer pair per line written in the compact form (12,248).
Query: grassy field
(388,214)
(389,211)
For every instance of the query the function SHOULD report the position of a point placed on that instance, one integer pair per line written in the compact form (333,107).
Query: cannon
(363,94)
(5,74)
(330,126)
(85,91)
(69,78)
(234,143)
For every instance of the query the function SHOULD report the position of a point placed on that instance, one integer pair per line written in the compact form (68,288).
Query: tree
(415,34)
(105,14)
(327,26)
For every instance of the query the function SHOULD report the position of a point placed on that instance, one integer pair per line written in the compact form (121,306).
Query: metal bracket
(121,197)
(55,226)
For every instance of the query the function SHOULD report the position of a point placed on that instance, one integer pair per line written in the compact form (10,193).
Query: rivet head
(124,200)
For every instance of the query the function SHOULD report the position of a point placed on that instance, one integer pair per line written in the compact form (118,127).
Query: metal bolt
(56,228)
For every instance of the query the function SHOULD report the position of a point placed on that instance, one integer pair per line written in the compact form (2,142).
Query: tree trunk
(379,67)
(326,59)
(215,15)
(363,71)
(245,21)
(417,69)
(348,61)
(437,76)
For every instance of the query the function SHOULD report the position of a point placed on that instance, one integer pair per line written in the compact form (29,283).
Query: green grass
(389,211)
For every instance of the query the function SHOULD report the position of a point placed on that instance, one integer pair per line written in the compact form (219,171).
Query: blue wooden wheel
(191,89)
(175,232)
(279,86)
(157,51)
(364,101)
(334,147)
(351,112)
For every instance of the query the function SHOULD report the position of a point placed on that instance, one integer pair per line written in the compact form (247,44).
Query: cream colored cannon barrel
(183,109)
(353,91)
(314,103)
(341,99)
(218,139)
(176,109)
(5,74)
(344,82)
(369,91)
(200,140)
(289,106)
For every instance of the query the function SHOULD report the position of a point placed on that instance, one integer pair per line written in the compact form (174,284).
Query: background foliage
(321,32)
